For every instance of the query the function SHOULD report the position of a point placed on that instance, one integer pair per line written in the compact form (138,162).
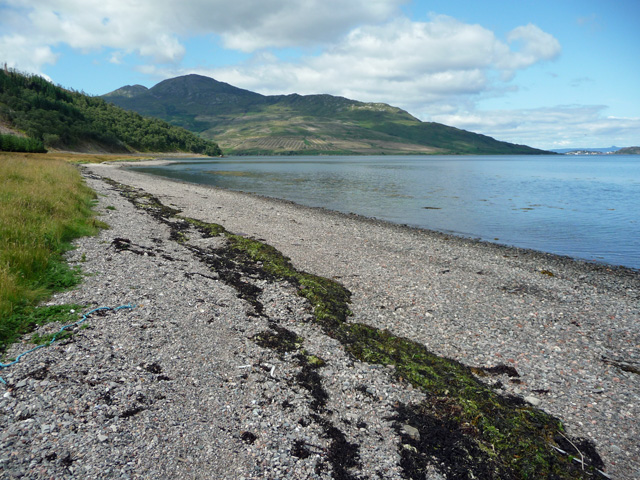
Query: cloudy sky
(546,73)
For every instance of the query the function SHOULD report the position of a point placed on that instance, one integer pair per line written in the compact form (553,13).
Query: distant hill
(599,151)
(35,115)
(629,151)
(594,149)
(245,122)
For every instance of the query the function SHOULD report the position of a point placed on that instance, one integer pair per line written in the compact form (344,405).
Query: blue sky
(550,74)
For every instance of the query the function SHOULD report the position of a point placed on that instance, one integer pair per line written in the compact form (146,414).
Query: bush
(14,143)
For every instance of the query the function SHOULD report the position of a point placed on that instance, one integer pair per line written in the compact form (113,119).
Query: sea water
(585,207)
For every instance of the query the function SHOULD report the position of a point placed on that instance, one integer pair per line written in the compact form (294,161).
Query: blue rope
(84,317)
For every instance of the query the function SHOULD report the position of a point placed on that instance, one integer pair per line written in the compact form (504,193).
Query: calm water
(583,207)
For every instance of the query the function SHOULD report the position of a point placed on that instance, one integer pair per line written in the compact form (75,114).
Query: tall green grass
(44,204)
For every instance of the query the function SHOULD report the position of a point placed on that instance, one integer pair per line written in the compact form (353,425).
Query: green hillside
(35,114)
(245,122)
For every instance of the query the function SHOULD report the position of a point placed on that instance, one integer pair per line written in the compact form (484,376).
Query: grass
(44,205)
(70,157)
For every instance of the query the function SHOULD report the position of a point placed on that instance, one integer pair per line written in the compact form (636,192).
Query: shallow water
(580,206)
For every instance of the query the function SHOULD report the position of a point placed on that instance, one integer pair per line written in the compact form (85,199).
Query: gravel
(178,386)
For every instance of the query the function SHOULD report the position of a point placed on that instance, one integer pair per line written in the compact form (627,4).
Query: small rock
(102,438)
(413,432)
(533,401)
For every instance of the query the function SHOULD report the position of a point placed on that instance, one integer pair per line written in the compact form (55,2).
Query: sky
(549,74)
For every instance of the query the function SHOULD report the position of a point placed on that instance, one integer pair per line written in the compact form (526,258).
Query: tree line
(53,117)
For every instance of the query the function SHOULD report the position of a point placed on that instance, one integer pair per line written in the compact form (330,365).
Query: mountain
(130,91)
(36,114)
(245,122)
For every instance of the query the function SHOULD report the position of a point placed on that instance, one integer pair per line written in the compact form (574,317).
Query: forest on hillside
(53,117)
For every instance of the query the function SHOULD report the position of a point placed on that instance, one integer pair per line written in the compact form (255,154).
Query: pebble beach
(178,387)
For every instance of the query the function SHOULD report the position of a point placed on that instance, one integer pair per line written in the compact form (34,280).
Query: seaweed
(278,339)
(341,454)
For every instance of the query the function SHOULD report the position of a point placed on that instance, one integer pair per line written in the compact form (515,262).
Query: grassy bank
(76,157)
(44,204)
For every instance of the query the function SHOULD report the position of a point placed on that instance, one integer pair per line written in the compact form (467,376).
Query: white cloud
(164,49)
(551,127)
(536,45)
(365,55)
(286,23)
(116,58)
(155,28)
(19,52)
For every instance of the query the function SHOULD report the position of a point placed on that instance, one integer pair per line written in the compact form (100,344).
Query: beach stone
(413,432)
(533,400)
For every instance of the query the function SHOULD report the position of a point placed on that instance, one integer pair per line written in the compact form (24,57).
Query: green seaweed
(313,360)
(208,229)
(514,435)
(329,300)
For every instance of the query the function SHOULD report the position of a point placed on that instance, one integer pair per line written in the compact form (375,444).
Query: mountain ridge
(243,122)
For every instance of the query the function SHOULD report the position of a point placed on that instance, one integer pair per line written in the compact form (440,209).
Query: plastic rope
(84,317)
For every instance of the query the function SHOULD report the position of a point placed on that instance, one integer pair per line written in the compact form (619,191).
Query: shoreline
(456,235)
(518,314)
(561,324)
